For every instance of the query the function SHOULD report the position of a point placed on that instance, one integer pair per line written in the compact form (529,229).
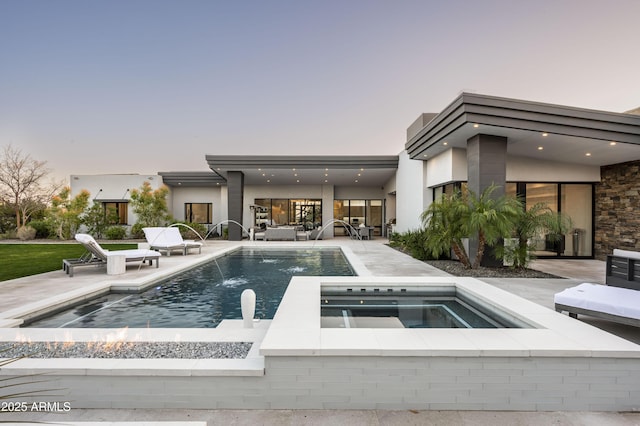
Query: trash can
(577,237)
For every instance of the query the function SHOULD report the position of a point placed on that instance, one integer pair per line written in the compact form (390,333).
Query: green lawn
(21,260)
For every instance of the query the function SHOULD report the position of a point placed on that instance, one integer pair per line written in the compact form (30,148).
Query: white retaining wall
(394,383)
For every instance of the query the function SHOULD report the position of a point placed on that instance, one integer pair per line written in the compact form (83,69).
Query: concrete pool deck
(381,261)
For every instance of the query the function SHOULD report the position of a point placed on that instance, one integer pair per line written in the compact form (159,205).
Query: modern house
(581,162)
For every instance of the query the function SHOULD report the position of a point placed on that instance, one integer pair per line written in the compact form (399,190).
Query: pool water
(204,296)
(404,311)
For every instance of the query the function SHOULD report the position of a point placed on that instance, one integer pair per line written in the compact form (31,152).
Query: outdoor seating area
(115,261)
(168,239)
(288,233)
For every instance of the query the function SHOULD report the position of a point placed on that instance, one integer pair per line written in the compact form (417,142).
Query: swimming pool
(204,296)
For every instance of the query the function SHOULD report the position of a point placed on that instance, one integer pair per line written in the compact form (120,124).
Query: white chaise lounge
(99,256)
(617,304)
(166,240)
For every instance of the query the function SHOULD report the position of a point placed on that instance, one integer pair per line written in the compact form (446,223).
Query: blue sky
(145,86)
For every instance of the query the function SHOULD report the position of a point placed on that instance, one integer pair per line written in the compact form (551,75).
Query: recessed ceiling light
(445,143)
(359,174)
(264,174)
(295,174)
(545,134)
(612,143)
(326,180)
(540,148)
(259,169)
(476,125)
(588,154)
(294,169)
(268,180)
(424,155)
(298,180)
(326,170)
(356,180)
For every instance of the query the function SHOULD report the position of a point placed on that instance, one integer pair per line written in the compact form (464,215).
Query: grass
(22,260)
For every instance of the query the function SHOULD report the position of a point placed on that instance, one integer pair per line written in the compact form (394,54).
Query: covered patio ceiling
(307,170)
(536,130)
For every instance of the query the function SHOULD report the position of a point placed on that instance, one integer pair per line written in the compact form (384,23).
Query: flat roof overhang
(307,170)
(536,130)
(192,179)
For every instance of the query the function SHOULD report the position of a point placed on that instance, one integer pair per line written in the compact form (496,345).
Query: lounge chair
(169,239)
(616,304)
(98,256)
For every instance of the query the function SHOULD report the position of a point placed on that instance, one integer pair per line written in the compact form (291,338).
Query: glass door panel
(576,202)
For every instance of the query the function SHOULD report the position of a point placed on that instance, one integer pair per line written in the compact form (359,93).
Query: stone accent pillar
(486,165)
(617,203)
(235,188)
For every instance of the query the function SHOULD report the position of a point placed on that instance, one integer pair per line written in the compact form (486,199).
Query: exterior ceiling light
(268,180)
(298,180)
(359,174)
(295,174)
(612,143)
(588,154)
(326,180)
(545,134)
(540,148)
(356,180)
(476,125)
(445,143)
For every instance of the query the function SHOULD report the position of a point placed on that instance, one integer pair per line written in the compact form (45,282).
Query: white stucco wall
(411,192)
(114,187)
(449,166)
(180,196)
(524,169)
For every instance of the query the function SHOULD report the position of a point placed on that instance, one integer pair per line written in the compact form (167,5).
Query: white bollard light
(248,305)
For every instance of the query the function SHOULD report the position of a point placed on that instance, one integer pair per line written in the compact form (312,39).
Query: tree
(66,213)
(150,206)
(21,183)
(530,222)
(463,215)
(97,219)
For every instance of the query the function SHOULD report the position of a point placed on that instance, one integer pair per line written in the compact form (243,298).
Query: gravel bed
(454,267)
(127,350)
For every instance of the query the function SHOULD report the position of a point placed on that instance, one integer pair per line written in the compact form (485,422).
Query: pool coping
(296,328)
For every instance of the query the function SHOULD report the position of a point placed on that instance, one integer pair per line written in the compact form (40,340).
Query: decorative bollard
(248,305)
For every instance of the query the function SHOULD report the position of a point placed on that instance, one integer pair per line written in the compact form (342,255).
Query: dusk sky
(145,86)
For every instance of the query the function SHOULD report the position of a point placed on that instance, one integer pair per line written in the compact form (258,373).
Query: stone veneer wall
(617,209)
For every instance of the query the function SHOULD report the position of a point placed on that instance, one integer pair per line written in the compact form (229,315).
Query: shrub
(26,233)
(115,233)
(42,227)
(413,242)
(136,230)
(187,233)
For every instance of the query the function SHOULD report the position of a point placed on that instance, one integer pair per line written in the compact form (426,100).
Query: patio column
(486,165)
(235,203)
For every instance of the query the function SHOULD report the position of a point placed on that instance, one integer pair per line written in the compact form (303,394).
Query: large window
(296,211)
(357,212)
(574,200)
(116,212)
(198,213)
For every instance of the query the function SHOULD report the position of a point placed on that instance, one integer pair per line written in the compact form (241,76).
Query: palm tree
(533,221)
(463,215)
(444,228)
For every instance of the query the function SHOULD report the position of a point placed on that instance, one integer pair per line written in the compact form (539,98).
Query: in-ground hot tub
(410,307)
